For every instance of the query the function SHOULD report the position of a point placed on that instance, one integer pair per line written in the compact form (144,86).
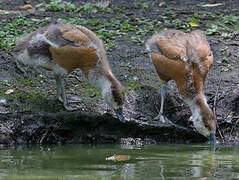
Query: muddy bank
(82,127)
(124,27)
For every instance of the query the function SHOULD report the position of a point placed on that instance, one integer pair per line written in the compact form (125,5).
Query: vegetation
(120,26)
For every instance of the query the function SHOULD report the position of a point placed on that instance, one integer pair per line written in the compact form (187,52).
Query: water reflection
(150,162)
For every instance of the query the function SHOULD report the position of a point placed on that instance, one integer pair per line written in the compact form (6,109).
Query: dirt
(30,112)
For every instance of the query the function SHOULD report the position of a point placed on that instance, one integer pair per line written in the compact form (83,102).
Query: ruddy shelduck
(185,58)
(61,48)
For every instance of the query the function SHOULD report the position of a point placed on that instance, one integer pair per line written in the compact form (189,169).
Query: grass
(119,25)
(226,25)
(57,5)
(132,85)
(63,6)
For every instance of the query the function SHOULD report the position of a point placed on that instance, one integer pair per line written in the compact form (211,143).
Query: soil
(30,113)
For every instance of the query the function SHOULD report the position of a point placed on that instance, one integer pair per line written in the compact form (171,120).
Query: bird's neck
(105,83)
(200,110)
(105,86)
(201,103)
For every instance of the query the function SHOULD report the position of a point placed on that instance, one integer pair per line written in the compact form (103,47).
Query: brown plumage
(62,48)
(186,59)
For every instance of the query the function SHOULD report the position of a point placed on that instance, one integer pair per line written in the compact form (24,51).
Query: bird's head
(209,120)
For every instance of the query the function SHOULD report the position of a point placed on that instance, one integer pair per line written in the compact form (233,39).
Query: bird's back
(70,46)
(183,57)
(23,42)
(78,47)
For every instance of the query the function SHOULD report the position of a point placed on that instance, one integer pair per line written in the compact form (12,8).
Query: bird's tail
(151,44)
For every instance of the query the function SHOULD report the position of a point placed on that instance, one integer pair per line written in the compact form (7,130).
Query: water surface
(88,162)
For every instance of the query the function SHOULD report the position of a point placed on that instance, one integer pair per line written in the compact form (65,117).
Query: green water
(88,162)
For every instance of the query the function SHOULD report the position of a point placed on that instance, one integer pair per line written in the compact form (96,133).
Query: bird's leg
(160,117)
(18,66)
(61,94)
(59,87)
(61,91)
(163,95)
(21,68)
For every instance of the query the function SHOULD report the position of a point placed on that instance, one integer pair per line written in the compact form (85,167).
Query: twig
(44,136)
(234,127)
(76,77)
(215,97)
(122,57)
(215,108)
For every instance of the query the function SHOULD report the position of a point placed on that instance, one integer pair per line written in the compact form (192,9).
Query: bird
(185,58)
(63,47)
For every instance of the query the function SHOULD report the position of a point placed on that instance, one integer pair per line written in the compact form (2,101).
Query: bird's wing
(197,40)
(67,35)
(172,44)
(73,48)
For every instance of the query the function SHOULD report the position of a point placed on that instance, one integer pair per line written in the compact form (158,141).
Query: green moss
(2,91)
(86,90)
(132,85)
(27,83)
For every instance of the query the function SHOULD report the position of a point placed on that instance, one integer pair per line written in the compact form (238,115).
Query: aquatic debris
(118,158)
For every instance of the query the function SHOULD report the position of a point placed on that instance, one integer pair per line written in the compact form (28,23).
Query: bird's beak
(212,138)
(119,114)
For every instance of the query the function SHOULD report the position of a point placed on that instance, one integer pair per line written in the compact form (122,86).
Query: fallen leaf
(9,91)
(27,6)
(193,24)
(162,4)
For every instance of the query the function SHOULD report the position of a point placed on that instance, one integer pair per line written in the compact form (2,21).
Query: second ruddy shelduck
(61,48)
(185,58)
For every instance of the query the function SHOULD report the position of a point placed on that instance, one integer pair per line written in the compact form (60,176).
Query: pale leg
(160,117)
(60,87)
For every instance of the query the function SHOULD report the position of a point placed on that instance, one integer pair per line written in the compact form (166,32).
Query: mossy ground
(124,27)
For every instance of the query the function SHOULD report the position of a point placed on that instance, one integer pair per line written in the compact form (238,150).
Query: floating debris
(118,158)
